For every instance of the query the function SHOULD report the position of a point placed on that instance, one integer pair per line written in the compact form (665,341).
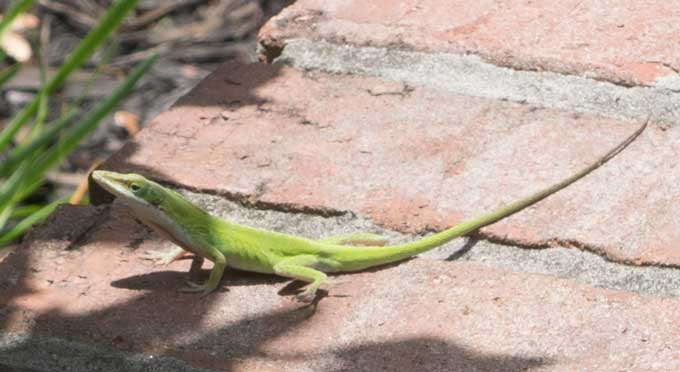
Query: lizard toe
(193,287)
(306,296)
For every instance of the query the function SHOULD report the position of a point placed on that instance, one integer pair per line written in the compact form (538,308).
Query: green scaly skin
(229,244)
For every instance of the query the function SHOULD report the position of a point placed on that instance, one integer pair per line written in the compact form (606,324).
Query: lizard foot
(159,257)
(193,287)
(306,296)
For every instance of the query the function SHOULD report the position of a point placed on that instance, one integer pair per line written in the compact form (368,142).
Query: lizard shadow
(174,280)
(252,338)
(214,331)
(472,240)
(162,280)
(425,353)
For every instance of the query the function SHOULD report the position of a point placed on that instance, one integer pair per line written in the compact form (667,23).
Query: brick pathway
(402,117)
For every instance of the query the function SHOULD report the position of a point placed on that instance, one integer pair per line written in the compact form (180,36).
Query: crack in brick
(544,84)
(75,233)
(81,238)
(253,201)
(572,244)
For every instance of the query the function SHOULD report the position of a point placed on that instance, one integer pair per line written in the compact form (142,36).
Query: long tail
(394,253)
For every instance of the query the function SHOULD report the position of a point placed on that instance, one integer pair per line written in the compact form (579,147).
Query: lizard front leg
(164,258)
(219,264)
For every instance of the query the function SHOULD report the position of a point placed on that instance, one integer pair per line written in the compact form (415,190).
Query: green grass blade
(5,215)
(27,189)
(12,187)
(25,210)
(9,73)
(20,228)
(30,182)
(21,152)
(16,123)
(87,124)
(106,25)
(12,13)
(43,99)
(106,56)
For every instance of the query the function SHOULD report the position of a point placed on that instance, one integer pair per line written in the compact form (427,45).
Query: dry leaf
(127,120)
(24,21)
(13,43)
(16,46)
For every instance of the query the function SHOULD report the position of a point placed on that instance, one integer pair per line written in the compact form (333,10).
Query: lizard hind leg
(302,268)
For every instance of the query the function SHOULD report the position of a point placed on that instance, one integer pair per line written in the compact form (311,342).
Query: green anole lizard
(242,247)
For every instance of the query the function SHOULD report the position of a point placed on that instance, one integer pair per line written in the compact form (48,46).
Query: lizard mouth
(111,182)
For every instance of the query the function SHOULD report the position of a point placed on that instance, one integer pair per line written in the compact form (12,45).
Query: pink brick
(627,42)
(417,161)
(419,315)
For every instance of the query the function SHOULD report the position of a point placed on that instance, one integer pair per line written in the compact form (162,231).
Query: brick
(416,159)
(418,315)
(626,42)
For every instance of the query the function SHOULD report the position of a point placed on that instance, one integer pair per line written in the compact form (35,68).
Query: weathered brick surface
(419,315)
(628,42)
(413,159)
(416,159)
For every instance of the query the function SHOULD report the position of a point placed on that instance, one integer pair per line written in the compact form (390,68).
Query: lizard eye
(135,187)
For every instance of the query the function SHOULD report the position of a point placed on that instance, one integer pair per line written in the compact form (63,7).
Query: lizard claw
(193,287)
(306,296)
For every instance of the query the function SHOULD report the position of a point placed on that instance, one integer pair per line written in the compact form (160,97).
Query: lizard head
(165,210)
(132,188)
